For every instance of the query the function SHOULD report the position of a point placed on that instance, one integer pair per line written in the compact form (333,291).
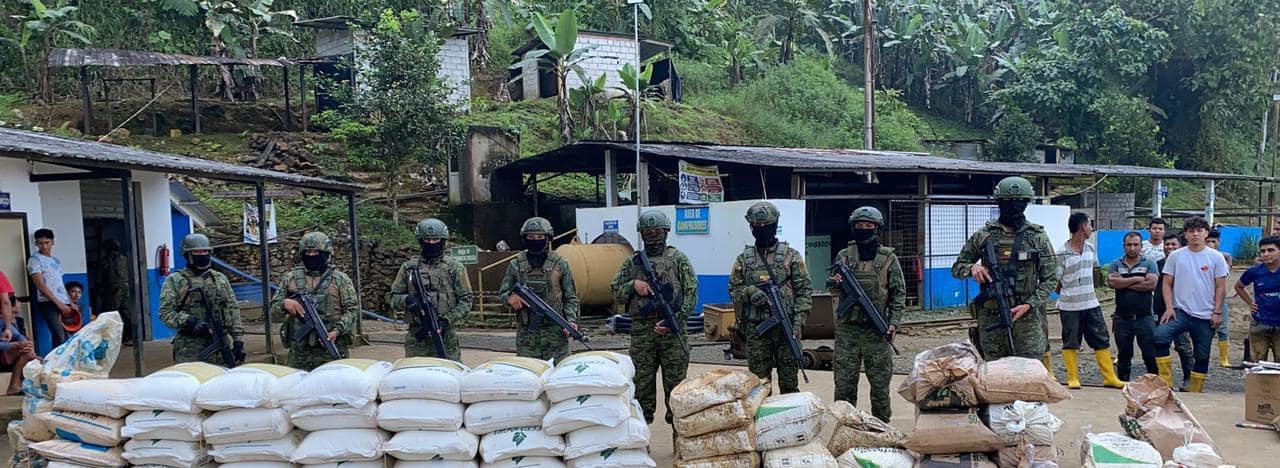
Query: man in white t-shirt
(1153,248)
(1195,285)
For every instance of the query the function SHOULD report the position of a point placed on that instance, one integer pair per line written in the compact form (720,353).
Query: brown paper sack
(738,440)
(956,460)
(943,377)
(723,416)
(858,428)
(952,431)
(737,460)
(1015,378)
(1154,414)
(714,387)
(1016,456)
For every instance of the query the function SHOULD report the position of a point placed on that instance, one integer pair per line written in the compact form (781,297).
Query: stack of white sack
(248,426)
(787,428)
(87,426)
(166,430)
(505,408)
(337,404)
(714,418)
(89,354)
(592,403)
(422,406)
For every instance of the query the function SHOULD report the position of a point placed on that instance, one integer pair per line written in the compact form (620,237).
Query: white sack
(94,396)
(520,442)
(584,411)
(353,382)
(65,451)
(634,433)
(420,415)
(423,378)
(525,462)
(33,428)
(876,457)
(1023,421)
(168,425)
(1116,450)
(172,388)
(335,416)
(812,454)
(92,351)
(170,453)
(248,386)
(429,445)
(614,458)
(437,464)
(277,450)
(89,428)
(340,445)
(257,465)
(504,378)
(590,373)
(488,416)
(246,425)
(788,420)
(378,463)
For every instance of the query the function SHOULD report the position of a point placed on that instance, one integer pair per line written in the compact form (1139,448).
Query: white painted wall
(610,55)
(60,204)
(713,253)
(24,195)
(153,201)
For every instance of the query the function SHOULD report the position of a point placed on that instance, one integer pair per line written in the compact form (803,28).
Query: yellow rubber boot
(1073,367)
(1224,347)
(1164,365)
(1047,360)
(1197,382)
(1107,368)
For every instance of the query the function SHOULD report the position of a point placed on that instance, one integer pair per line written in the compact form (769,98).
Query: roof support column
(87,98)
(1209,197)
(302,94)
(264,260)
(1156,199)
(610,179)
(194,73)
(135,277)
(352,232)
(288,109)
(642,182)
(1044,190)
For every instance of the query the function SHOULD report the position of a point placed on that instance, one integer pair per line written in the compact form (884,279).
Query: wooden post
(135,276)
(302,94)
(155,125)
(194,71)
(264,259)
(88,100)
(354,232)
(288,110)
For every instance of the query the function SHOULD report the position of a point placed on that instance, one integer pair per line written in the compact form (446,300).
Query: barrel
(593,267)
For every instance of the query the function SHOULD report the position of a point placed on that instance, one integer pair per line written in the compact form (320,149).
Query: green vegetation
(1014,140)
(9,103)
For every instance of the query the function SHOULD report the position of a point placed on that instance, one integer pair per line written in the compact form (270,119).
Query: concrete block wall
(610,54)
(455,68)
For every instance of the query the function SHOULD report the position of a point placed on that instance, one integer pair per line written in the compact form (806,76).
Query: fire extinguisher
(162,259)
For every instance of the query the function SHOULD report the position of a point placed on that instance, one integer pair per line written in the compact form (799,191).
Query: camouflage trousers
(308,358)
(425,348)
(860,348)
(649,352)
(771,351)
(117,299)
(1030,334)
(188,349)
(546,343)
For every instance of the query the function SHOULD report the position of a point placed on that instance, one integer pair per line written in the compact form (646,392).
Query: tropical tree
(49,25)
(562,56)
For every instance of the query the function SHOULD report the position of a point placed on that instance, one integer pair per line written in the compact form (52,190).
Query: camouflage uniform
(553,282)
(113,284)
(336,302)
(771,350)
(1037,277)
(650,350)
(181,308)
(449,289)
(858,344)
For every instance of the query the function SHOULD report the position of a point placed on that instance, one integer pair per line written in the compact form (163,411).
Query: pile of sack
(981,414)
(166,425)
(422,406)
(248,426)
(337,405)
(787,428)
(505,408)
(1159,430)
(592,405)
(862,440)
(715,416)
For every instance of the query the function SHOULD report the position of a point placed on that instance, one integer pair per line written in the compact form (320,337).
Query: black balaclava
(766,236)
(316,262)
(655,240)
(536,251)
(1011,212)
(201,261)
(432,251)
(867,242)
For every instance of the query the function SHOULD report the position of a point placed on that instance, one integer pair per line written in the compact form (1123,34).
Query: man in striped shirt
(1078,304)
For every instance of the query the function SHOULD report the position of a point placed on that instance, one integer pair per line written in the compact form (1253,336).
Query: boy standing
(1194,287)
(1264,331)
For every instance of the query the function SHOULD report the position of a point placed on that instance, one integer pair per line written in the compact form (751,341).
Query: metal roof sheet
(130,58)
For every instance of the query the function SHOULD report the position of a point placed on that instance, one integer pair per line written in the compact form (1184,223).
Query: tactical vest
(189,302)
(668,272)
(328,302)
(755,271)
(873,276)
(438,283)
(545,282)
(1027,258)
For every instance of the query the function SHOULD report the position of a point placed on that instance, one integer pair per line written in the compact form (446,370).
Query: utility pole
(639,185)
(869,80)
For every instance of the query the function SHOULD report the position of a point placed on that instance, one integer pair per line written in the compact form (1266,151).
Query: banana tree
(231,23)
(49,25)
(562,56)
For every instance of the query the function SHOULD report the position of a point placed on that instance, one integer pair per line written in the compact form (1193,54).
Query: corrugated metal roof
(183,200)
(343,23)
(585,157)
(52,149)
(138,58)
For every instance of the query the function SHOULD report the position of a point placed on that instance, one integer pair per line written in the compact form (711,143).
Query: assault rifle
(659,301)
(1001,288)
(313,324)
(217,330)
(540,310)
(430,317)
(852,292)
(779,317)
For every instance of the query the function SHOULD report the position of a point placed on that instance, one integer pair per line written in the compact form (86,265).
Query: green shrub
(1014,140)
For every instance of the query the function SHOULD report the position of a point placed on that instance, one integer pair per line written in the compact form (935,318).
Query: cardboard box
(1262,396)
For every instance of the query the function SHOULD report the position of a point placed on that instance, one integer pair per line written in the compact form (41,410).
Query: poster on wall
(250,223)
(700,184)
(693,220)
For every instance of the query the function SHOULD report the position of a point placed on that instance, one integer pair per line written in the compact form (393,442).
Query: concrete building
(611,52)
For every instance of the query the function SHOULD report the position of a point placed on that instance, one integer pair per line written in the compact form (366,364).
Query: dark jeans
(53,321)
(1126,331)
(1088,322)
(1201,338)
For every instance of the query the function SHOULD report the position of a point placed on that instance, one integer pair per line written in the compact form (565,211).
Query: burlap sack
(1154,414)
(1015,378)
(944,377)
(951,431)
(859,429)
(956,460)
(737,440)
(714,387)
(737,460)
(1016,456)
(723,416)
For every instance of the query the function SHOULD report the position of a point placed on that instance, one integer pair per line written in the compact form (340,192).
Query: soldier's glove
(413,304)
(237,349)
(759,298)
(195,326)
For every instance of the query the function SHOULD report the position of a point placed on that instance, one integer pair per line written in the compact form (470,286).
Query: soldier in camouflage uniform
(447,286)
(335,297)
(652,343)
(548,275)
(182,309)
(770,258)
(858,344)
(113,286)
(1037,275)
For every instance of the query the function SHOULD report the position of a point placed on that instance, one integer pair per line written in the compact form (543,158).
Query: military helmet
(1014,188)
(537,225)
(431,228)
(866,213)
(315,240)
(762,212)
(195,242)
(653,219)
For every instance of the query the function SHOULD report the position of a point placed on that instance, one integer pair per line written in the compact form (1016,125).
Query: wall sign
(693,220)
